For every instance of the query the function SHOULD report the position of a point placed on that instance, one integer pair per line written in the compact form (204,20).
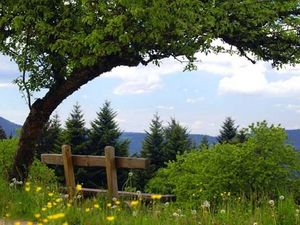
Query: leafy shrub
(261,165)
(39,173)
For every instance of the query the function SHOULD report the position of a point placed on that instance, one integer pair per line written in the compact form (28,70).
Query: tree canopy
(60,45)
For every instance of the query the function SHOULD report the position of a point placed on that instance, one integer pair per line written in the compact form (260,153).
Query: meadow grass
(46,205)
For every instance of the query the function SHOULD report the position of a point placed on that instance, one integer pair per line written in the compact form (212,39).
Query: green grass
(28,202)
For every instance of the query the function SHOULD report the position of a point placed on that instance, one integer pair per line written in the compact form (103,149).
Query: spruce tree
(106,132)
(177,140)
(228,132)
(2,134)
(204,144)
(152,148)
(75,133)
(50,139)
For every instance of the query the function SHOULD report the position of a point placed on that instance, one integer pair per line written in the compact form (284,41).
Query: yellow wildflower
(118,202)
(37,215)
(58,200)
(78,187)
(44,209)
(134,203)
(17,223)
(45,220)
(108,205)
(96,206)
(56,216)
(38,189)
(7,215)
(50,194)
(65,223)
(69,205)
(49,205)
(29,223)
(27,184)
(110,218)
(27,188)
(87,209)
(39,224)
(156,197)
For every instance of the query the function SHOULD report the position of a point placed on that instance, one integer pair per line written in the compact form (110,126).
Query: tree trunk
(43,108)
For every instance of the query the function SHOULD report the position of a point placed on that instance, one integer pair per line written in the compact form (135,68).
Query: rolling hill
(136,138)
(10,128)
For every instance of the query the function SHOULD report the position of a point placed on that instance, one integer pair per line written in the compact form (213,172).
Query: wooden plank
(69,169)
(97,161)
(53,159)
(111,171)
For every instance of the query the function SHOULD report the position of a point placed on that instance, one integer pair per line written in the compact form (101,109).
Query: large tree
(60,45)
(228,133)
(177,140)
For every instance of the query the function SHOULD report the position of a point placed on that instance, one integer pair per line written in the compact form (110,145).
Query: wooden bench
(109,161)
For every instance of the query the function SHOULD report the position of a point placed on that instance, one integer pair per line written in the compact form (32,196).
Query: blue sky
(223,85)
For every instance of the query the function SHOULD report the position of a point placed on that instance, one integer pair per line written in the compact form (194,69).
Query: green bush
(263,164)
(39,173)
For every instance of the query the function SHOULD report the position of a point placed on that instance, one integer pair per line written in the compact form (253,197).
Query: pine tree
(2,134)
(75,133)
(242,135)
(228,132)
(204,144)
(50,140)
(105,132)
(177,140)
(152,149)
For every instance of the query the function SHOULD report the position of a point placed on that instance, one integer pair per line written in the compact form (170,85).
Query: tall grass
(46,205)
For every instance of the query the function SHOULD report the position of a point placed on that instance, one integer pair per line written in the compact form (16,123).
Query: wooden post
(69,170)
(111,171)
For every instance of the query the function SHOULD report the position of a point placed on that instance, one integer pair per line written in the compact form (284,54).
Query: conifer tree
(2,134)
(204,144)
(105,132)
(177,140)
(152,149)
(50,139)
(228,132)
(75,133)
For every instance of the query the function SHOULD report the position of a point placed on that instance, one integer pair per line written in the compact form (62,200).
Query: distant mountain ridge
(136,138)
(9,127)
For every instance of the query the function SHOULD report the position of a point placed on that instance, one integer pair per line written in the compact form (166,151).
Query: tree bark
(43,108)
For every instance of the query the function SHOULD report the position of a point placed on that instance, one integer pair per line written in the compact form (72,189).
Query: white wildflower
(222,211)
(271,203)
(281,197)
(205,204)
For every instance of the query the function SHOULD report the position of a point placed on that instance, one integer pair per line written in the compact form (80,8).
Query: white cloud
(194,100)
(163,107)
(292,107)
(142,79)
(7,85)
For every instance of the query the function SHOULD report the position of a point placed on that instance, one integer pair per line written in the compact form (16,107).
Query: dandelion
(205,204)
(134,203)
(271,203)
(130,174)
(37,215)
(96,206)
(78,187)
(50,194)
(65,223)
(69,205)
(222,211)
(49,205)
(38,189)
(29,223)
(193,212)
(297,211)
(118,202)
(110,218)
(155,196)
(254,223)
(44,209)
(175,214)
(27,188)
(87,209)
(17,223)
(108,205)
(281,197)
(56,216)
(7,215)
